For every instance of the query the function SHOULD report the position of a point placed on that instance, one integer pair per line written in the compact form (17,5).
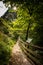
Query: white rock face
(3,9)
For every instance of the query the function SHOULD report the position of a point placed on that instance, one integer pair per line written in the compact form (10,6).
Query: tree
(29,22)
(33,6)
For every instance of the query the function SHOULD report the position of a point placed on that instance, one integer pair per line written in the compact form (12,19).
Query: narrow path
(18,58)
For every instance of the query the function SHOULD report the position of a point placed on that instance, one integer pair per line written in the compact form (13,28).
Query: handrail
(32,55)
(30,51)
(27,57)
(35,46)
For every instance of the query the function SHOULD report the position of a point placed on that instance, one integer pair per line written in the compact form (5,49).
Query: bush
(4,53)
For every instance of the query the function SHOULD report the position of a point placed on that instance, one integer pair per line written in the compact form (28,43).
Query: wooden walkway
(18,57)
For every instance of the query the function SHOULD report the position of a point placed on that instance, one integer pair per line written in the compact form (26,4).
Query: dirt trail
(18,58)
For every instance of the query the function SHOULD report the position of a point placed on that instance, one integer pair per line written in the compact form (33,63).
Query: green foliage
(6,43)
(20,25)
(37,31)
(29,23)
(4,53)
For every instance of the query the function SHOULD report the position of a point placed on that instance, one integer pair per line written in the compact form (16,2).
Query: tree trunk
(27,30)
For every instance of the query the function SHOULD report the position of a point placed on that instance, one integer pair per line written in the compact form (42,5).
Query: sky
(3,9)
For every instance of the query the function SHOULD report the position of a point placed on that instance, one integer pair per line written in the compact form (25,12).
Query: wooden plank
(30,51)
(27,57)
(35,46)
(33,58)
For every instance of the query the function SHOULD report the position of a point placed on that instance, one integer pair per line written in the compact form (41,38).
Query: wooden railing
(31,55)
